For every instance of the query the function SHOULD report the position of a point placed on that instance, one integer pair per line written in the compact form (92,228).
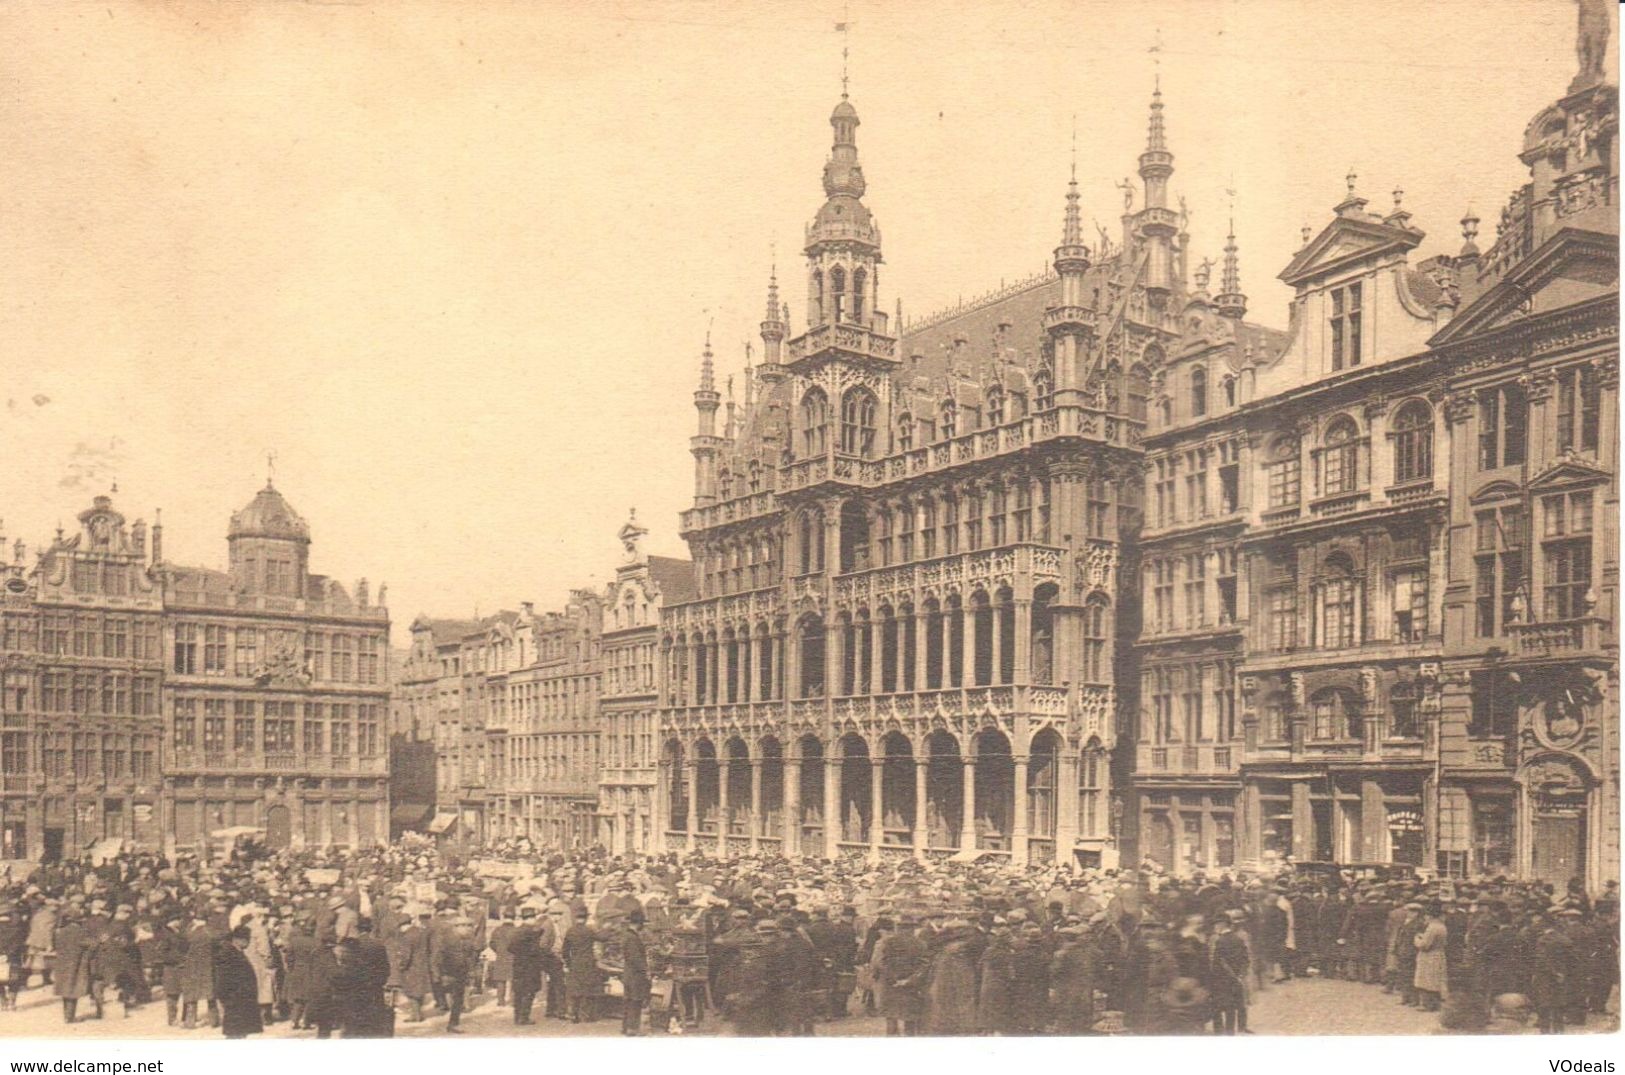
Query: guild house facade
(1095,569)
(276,691)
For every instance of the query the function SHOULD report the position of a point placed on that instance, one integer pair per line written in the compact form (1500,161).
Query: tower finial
(1074,146)
(1230,301)
(270,468)
(845,29)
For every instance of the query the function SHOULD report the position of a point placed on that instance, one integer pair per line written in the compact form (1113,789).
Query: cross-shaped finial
(270,468)
(1399,196)
(1350,178)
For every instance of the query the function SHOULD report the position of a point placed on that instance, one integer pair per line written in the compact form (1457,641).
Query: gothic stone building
(912,636)
(277,692)
(1097,570)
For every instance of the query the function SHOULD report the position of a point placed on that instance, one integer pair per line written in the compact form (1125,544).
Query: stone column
(967,815)
(1018,813)
(755,804)
(1068,825)
(1303,823)
(693,766)
(832,807)
(877,803)
(922,622)
(997,664)
(725,768)
(1373,821)
(967,650)
(778,685)
(921,834)
(725,671)
(1024,640)
(792,804)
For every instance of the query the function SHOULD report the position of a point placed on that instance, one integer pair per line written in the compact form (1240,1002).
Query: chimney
(157,536)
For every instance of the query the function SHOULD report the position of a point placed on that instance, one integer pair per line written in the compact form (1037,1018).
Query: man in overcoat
(583,978)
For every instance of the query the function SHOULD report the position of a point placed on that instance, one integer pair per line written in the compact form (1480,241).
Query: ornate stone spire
(1231,302)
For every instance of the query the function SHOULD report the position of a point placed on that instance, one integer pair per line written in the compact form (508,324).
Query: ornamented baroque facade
(1095,569)
(277,693)
(157,704)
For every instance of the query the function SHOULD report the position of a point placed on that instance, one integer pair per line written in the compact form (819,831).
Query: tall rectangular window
(246,657)
(1195,590)
(1283,618)
(214,650)
(1410,605)
(1345,326)
(185,648)
(1503,422)
(1579,409)
(1566,551)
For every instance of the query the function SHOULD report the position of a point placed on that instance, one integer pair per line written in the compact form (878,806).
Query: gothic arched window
(1198,392)
(815,422)
(1043,389)
(949,418)
(858,422)
(905,432)
(995,406)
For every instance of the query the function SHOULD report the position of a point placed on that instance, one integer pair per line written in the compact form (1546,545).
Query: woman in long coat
(951,996)
(301,958)
(13,948)
(1072,984)
(900,965)
(500,972)
(236,986)
(583,979)
(262,957)
(74,949)
(41,941)
(1430,961)
(995,1009)
(197,973)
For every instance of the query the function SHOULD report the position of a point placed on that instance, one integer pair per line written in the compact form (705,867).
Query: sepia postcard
(500,543)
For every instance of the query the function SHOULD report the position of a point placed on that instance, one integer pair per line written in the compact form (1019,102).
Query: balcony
(1558,638)
(1339,504)
(1281,516)
(850,339)
(1412,491)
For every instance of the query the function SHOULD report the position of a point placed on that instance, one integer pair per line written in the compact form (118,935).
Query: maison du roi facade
(158,704)
(1097,570)
(544,724)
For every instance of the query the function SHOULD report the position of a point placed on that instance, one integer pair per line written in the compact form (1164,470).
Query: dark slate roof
(675,577)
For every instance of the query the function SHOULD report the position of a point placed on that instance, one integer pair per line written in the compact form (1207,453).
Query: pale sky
(453,262)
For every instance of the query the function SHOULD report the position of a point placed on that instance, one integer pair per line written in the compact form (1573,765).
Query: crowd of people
(348,942)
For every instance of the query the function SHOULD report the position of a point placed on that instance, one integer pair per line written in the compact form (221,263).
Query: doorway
(1558,848)
(54,839)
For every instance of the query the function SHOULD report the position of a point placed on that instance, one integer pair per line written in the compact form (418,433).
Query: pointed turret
(1230,301)
(773,331)
(1070,324)
(705,443)
(1157,223)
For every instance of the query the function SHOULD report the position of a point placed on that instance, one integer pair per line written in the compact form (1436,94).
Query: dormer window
(1346,326)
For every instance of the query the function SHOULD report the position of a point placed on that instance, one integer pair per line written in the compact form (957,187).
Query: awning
(441,823)
(102,850)
(969,854)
